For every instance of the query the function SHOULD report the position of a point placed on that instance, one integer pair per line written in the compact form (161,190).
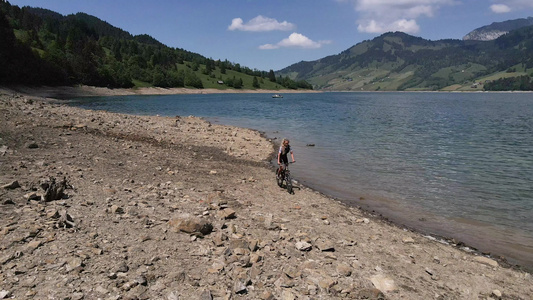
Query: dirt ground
(98,205)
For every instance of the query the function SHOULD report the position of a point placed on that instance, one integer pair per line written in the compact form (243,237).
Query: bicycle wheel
(288,182)
(279,179)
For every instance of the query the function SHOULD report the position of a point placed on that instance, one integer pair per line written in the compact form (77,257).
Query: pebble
(497,293)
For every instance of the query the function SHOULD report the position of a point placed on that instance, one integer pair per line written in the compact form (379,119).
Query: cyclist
(284,149)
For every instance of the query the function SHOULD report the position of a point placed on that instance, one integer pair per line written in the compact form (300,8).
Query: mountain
(497,29)
(42,47)
(398,61)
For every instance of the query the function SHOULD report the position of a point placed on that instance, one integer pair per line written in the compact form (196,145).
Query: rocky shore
(98,205)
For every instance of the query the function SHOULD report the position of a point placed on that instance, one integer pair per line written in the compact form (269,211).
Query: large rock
(486,261)
(384,283)
(303,246)
(54,190)
(11,186)
(190,224)
(325,245)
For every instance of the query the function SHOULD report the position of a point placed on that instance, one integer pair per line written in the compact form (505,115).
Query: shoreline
(153,171)
(65,92)
(462,233)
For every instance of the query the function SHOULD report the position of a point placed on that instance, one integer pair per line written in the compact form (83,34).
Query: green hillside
(42,47)
(397,61)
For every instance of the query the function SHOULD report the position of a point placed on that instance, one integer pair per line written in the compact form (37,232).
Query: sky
(274,34)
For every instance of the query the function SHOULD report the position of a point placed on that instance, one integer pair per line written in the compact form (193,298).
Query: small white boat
(277,96)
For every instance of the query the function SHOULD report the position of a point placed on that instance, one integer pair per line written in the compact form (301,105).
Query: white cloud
(403,25)
(500,8)
(260,23)
(295,40)
(379,16)
(505,6)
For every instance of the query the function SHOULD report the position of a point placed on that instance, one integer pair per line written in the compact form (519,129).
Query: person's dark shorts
(284,159)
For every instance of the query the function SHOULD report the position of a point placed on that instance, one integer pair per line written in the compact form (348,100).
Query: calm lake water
(450,164)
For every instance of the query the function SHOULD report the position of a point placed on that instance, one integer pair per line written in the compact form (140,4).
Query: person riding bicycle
(284,149)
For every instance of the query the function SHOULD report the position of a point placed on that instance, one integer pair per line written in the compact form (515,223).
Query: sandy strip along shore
(67,92)
(102,205)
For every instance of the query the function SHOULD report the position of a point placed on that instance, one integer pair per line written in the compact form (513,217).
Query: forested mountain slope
(398,61)
(42,47)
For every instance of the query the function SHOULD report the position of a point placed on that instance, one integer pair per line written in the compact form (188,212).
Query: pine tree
(272,76)
(255,83)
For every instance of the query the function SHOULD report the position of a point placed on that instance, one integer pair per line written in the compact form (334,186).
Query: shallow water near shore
(452,164)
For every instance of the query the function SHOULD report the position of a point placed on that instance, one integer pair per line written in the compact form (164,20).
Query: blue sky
(273,34)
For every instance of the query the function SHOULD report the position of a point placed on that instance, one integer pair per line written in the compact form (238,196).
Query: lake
(458,165)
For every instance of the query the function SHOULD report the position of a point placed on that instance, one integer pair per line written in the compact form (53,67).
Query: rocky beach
(99,205)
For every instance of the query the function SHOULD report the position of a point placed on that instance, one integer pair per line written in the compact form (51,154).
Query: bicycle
(285,175)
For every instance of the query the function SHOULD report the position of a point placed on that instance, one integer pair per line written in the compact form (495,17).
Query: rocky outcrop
(497,29)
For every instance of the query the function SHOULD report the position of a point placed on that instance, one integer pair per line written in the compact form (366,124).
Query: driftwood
(65,220)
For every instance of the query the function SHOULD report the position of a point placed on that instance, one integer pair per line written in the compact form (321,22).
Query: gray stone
(8,202)
(123,268)
(54,190)
(206,295)
(303,246)
(371,294)
(32,196)
(486,261)
(408,240)
(11,186)
(383,283)
(239,287)
(325,245)
(32,145)
(267,295)
(287,295)
(74,263)
(284,281)
(344,269)
(497,293)
(141,279)
(4,294)
(226,214)
(238,243)
(115,209)
(219,239)
(190,224)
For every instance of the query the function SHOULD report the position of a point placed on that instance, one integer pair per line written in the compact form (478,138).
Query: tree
(272,76)
(255,83)
(7,46)
(238,84)
(159,77)
(53,49)
(193,81)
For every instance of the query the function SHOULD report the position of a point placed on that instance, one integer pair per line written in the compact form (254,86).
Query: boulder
(189,224)
(11,186)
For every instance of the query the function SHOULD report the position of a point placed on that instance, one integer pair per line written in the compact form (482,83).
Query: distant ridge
(396,61)
(497,29)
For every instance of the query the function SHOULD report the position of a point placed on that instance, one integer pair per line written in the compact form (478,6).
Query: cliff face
(484,35)
(497,29)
